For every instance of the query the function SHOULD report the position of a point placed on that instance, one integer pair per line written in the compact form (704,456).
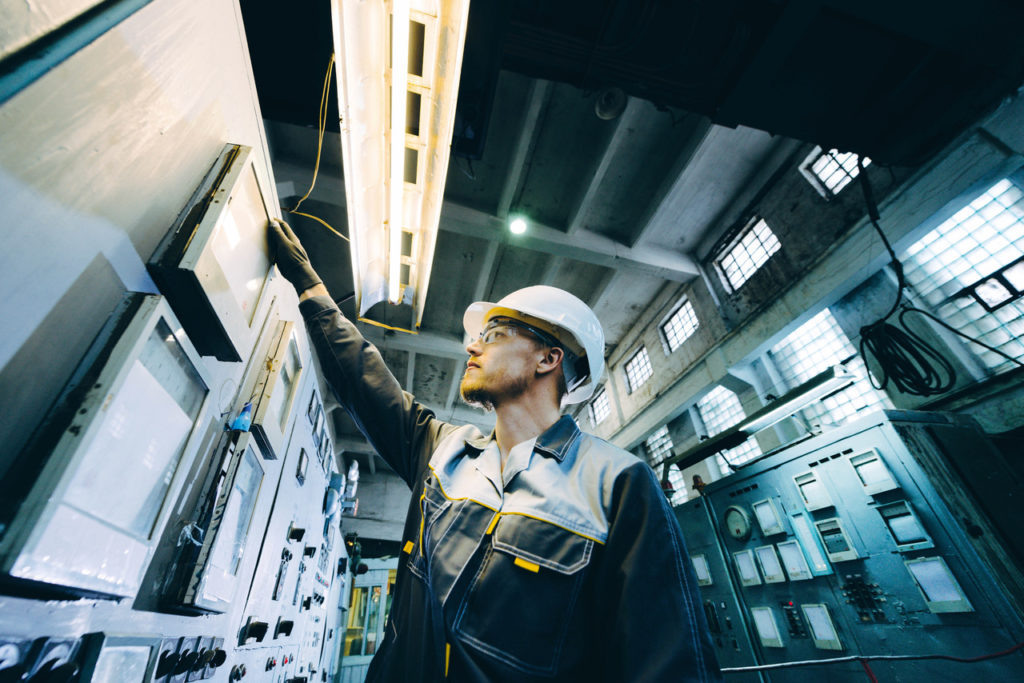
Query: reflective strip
(494,523)
(408,547)
(422,513)
(525,564)
(447,657)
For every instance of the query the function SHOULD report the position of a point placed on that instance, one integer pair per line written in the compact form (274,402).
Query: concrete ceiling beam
(430,343)
(585,246)
(525,142)
(661,211)
(624,126)
(486,272)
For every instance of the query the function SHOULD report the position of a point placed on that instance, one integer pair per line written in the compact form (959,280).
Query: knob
(165,665)
(271,663)
(237,673)
(218,659)
(202,656)
(186,662)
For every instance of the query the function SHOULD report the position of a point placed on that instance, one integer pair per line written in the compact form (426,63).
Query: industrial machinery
(176,517)
(866,541)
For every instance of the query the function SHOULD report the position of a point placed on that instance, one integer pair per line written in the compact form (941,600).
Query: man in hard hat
(537,552)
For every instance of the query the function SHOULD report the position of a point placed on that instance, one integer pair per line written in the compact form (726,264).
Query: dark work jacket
(567,565)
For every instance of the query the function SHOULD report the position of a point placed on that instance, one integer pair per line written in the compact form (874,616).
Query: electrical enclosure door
(214,579)
(213,264)
(91,520)
(275,388)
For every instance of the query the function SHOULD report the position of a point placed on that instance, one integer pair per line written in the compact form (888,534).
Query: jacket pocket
(521,602)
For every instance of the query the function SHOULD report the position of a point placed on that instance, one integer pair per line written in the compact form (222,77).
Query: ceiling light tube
(425,55)
(399,86)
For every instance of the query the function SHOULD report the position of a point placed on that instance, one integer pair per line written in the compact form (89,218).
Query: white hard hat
(558,313)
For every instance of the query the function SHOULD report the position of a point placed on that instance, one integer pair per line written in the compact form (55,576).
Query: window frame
(601,392)
(683,302)
(732,244)
(626,371)
(817,182)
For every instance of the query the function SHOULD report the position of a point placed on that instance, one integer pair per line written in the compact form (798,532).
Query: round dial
(737,523)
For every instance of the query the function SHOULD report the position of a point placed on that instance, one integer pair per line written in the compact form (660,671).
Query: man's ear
(552,358)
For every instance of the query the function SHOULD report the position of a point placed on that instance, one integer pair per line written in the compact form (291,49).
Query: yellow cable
(322,124)
(321,222)
(321,127)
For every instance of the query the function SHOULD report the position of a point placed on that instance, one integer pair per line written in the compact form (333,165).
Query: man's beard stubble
(480,396)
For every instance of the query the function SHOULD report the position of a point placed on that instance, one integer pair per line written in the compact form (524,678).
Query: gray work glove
(292,260)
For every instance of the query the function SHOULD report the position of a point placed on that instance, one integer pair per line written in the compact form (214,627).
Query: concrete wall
(828,250)
(97,158)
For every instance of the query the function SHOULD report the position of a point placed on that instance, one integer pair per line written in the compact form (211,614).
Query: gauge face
(737,523)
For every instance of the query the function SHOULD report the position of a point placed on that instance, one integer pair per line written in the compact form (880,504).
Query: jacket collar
(554,442)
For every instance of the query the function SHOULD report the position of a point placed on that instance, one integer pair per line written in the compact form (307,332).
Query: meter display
(80,527)
(213,264)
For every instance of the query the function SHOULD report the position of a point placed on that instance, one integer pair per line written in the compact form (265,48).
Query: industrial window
(721,409)
(829,172)
(680,325)
(659,446)
(814,346)
(599,407)
(638,369)
(751,251)
(977,241)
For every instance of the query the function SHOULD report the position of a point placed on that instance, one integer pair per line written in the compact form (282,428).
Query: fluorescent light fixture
(517,226)
(398,79)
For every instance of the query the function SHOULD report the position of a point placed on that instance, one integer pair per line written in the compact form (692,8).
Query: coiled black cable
(905,358)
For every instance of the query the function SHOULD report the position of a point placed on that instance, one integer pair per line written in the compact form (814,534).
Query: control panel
(845,544)
(176,516)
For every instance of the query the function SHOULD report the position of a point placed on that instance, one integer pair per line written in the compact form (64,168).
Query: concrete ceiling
(618,208)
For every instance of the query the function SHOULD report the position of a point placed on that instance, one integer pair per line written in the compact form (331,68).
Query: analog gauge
(737,523)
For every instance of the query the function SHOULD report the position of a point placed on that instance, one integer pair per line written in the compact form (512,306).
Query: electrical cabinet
(861,541)
(133,411)
(213,263)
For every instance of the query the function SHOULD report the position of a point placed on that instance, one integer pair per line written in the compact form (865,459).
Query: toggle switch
(237,673)
(253,629)
(283,627)
(295,533)
(309,551)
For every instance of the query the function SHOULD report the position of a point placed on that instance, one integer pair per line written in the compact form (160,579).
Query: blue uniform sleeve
(401,430)
(654,623)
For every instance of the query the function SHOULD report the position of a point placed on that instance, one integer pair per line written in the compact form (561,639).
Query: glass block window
(638,369)
(981,238)
(750,252)
(600,407)
(829,172)
(658,447)
(813,347)
(680,325)
(721,409)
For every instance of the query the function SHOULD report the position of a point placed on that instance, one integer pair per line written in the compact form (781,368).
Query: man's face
(501,364)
